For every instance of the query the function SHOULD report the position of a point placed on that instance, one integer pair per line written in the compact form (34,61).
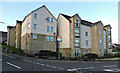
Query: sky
(107,12)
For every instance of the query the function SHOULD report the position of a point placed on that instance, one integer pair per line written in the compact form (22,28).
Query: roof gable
(36,10)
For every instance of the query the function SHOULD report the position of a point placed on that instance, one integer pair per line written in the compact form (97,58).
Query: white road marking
(60,68)
(42,64)
(38,63)
(109,66)
(13,65)
(0,59)
(53,67)
(89,67)
(69,70)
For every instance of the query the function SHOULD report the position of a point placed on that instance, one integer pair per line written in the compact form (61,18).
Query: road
(12,62)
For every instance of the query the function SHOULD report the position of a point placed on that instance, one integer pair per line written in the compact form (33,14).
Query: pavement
(12,62)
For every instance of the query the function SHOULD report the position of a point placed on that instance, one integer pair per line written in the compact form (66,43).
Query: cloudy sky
(107,12)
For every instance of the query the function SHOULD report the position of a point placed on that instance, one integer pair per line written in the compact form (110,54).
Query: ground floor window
(76,52)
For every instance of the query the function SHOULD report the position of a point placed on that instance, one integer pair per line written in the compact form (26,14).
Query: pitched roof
(36,10)
(87,23)
(108,25)
(66,16)
(17,21)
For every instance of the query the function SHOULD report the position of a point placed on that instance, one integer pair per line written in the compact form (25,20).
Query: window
(28,25)
(76,52)
(100,32)
(35,25)
(76,42)
(47,38)
(86,42)
(48,19)
(47,28)
(76,23)
(100,41)
(52,20)
(35,15)
(109,45)
(51,29)
(51,38)
(34,36)
(87,51)
(76,32)
(28,36)
(108,30)
(86,33)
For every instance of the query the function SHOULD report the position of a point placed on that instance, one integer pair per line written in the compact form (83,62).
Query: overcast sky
(107,12)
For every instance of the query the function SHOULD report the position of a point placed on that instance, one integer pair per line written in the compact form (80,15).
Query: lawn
(16,50)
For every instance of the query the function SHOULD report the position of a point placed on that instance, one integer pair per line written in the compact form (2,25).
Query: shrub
(90,56)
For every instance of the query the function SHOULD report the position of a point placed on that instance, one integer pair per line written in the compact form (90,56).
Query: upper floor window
(28,25)
(48,19)
(34,36)
(51,29)
(108,29)
(35,25)
(109,36)
(100,41)
(47,38)
(109,45)
(100,32)
(76,42)
(76,23)
(86,33)
(52,20)
(51,38)
(35,16)
(76,32)
(86,42)
(47,28)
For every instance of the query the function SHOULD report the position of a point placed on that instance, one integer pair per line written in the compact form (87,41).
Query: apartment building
(97,38)
(18,34)
(80,36)
(11,35)
(107,29)
(85,37)
(3,37)
(38,31)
